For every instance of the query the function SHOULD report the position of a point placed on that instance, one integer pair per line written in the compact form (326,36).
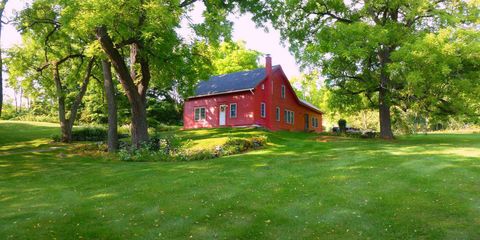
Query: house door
(223,115)
(307,122)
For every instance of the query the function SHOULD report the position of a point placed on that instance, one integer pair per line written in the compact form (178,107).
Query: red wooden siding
(244,101)
(287,103)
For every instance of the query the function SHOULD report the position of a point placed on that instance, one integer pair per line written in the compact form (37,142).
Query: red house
(261,97)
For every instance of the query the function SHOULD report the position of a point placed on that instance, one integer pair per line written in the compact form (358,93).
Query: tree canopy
(357,44)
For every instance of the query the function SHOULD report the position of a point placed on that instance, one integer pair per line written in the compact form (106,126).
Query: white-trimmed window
(277,114)
(200,113)
(283,91)
(289,116)
(262,110)
(233,110)
(263,86)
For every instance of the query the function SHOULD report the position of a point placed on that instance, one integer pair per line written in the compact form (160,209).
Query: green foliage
(411,45)
(90,133)
(142,154)
(171,147)
(310,87)
(440,71)
(231,57)
(163,109)
(238,145)
(54,29)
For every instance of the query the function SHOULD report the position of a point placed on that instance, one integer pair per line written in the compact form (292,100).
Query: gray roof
(231,82)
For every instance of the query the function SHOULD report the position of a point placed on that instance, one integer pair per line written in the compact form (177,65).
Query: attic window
(263,86)
(283,91)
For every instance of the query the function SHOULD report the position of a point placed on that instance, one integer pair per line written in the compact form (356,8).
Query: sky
(244,30)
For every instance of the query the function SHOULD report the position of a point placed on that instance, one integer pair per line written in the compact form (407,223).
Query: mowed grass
(299,187)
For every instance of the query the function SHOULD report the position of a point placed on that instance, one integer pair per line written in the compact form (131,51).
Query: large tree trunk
(135,93)
(111,106)
(383,97)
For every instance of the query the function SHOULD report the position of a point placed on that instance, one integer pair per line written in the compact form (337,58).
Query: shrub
(342,124)
(142,154)
(204,154)
(89,134)
(369,134)
(35,118)
(173,148)
(94,134)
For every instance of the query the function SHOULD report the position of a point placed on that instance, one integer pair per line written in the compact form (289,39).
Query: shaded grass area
(419,186)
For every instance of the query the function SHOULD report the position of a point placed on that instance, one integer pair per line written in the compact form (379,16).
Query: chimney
(268,64)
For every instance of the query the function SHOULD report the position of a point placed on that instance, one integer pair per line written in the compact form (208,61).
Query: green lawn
(299,187)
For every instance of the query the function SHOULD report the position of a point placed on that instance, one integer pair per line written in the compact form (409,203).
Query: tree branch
(330,14)
(81,93)
(59,62)
(186,3)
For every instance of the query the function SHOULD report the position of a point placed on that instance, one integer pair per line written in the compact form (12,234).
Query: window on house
(289,116)
(262,110)
(277,114)
(314,122)
(200,114)
(283,91)
(233,110)
(263,86)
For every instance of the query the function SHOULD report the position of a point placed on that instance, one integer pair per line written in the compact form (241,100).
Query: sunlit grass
(416,187)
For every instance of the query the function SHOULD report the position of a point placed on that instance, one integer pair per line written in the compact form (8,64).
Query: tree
(229,57)
(157,54)
(352,42)
(449,86)
(2,8)
(53,56)
(112,140)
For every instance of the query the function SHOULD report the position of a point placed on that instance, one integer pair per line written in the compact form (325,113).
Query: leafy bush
(368,134)
(238,145)
(142,154)
(361,134)
(94,134)
(89,134)
(158,148)
(173,148)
